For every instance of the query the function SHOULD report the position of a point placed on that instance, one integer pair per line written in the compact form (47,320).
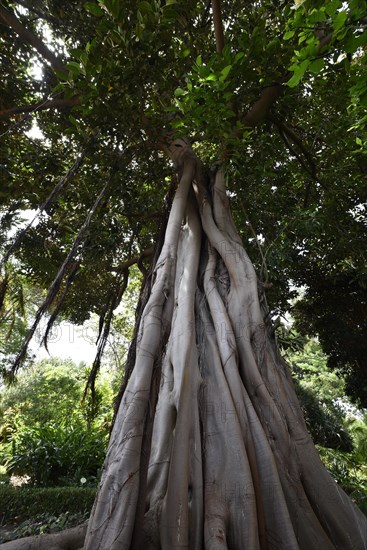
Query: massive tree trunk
(209,448)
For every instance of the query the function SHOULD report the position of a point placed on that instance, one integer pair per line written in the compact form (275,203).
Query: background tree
(336,425)
(322,397)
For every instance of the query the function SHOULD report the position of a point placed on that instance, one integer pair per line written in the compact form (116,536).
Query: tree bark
(58,103)
(261,107)
(218,25)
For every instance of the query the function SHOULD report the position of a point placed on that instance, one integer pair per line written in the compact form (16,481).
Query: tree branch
(134,260)
(289,136)
(259,111)
(59,103)
(39,13)
(303,155)
(27,36)
(260,108)
(218,25)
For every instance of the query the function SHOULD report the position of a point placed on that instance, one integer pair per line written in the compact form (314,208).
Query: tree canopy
(282,104)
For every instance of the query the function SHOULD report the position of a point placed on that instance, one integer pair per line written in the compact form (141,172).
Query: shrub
(56,454)
(349,473)
(22,503)
(323,420)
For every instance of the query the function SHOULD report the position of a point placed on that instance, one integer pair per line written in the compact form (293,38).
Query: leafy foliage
(18,301)
(16,502)
(48,432)
(325,423)
(322,396)
(49,392)
(52,455)
(337,311)
(337,427)
(331,35)
(350,472)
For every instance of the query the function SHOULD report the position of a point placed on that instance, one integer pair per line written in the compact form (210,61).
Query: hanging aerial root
(105,321)
(115,507)
(45,205)
(60,301)
(56,284)
(298,476)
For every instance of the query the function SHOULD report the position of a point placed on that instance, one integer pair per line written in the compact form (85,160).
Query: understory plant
(56,454)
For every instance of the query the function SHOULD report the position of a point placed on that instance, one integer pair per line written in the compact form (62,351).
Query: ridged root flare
(209,449)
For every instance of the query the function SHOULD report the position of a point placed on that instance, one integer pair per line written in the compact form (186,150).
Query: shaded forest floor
(41,524)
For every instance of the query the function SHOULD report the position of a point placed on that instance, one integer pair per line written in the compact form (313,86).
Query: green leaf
(145,6)
(113,6)
(288,35)
(227,53)
(93,8)
(58,88)
(317,16)
(358,8)
(199,61)
(299,71)
(316,65)
(355,42)
(358,141)
(363,99)
(204,71)
(177,123)
(225,72)
(73,120)
(74,67)
(60,74)
(332,6)
(339,20)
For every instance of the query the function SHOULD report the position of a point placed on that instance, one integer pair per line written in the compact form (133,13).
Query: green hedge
(20,503)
